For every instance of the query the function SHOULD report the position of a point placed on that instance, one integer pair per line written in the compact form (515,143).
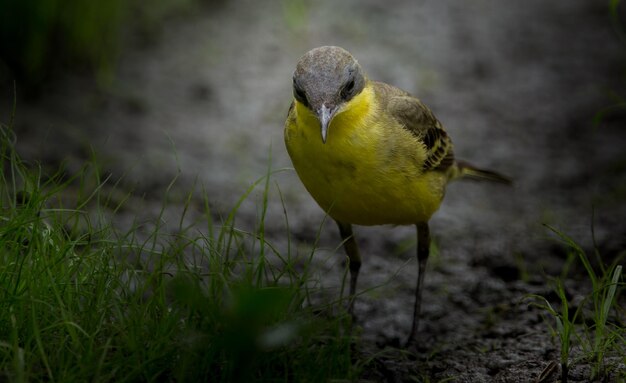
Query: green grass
(595,325)
(81,300)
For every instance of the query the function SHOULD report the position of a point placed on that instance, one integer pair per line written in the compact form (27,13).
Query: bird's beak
(325,115)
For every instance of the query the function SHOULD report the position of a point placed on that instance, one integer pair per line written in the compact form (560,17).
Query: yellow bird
(369,154)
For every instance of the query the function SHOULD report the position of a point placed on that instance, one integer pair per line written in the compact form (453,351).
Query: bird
(370,154)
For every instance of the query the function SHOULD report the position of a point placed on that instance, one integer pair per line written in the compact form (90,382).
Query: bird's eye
(348,89)
(350,86)
(300,94)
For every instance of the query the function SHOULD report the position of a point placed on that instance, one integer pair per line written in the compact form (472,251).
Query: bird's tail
(466,170)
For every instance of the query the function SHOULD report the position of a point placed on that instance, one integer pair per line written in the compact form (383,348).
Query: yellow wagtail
(369,154)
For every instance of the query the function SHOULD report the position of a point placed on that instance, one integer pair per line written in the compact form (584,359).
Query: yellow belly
(369,170)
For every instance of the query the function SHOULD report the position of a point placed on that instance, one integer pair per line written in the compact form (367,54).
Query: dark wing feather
(418,119)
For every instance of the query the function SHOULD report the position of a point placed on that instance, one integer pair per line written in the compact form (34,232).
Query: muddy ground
(516,84)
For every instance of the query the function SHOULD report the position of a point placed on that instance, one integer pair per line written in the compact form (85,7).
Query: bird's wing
(418,119)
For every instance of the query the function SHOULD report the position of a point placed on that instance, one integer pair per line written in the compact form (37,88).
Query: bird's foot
(412,344)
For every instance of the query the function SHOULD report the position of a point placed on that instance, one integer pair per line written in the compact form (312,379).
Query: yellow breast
(369,171)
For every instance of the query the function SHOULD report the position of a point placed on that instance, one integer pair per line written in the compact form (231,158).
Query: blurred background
(197,91)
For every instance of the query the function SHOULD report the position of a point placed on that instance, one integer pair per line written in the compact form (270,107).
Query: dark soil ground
(516,84)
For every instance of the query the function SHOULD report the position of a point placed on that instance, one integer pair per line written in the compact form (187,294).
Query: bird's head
(325,80)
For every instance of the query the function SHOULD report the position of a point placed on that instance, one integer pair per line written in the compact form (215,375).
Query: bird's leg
(354,259)
(423,247)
